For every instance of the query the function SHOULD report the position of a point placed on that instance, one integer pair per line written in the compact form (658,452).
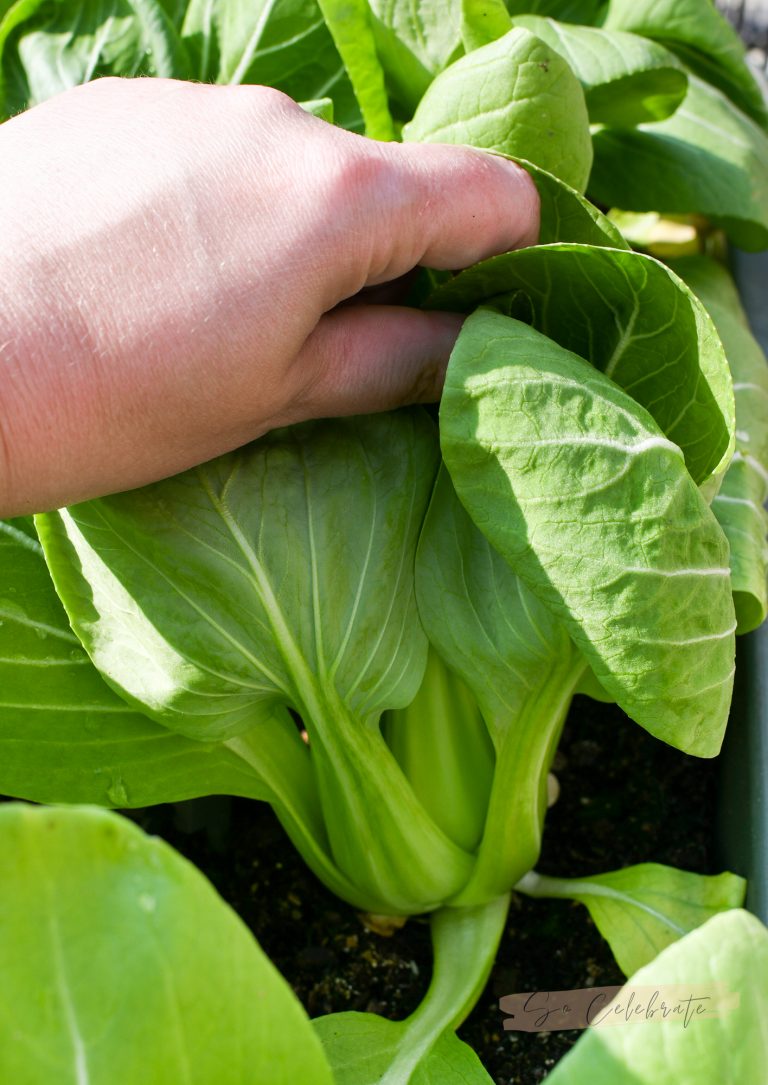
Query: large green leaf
(709,158)
(415,39)
(280,43)
(577,487)
(631,317)
(518,661)
(700,36)
(47,46)
(120,964)
(739,504)
(642,909)
(245,583)
(126,760)
(627,79)
(65,736)
(729,1048)
(244,586)
(515,95)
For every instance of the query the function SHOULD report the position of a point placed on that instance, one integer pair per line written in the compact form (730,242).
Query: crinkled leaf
(708,158)
(631,317)
(284,44)
(627,79)
(360,1047)
(729,950)
(124,965)
(415,39)
(515,95)
(739,503)
(577,487)
(700,36)
(565,215)
(47,46)
(349,22)
(715,288)
(642,909)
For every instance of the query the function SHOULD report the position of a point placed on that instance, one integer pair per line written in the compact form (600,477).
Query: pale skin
(172,262)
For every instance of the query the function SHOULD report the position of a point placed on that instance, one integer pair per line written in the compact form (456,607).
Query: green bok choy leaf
(124,965)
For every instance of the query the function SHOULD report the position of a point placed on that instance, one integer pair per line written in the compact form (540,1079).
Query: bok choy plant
(586,516)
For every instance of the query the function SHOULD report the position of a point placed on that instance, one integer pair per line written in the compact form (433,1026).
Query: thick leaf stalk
(464,943)
(442,744)
(514,822)
(380,835)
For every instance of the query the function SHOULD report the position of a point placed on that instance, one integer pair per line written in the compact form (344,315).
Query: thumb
(444,206)
(366,358)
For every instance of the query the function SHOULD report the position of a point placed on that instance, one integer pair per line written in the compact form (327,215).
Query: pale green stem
(512,839)
(381,837)
(464,941)
(540,885)
(280,759)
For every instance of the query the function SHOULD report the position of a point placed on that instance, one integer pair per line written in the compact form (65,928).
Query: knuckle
(105,83)
(362,175)
(257,106)
(370,193)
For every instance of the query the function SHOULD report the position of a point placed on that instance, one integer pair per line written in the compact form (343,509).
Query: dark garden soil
(625,798)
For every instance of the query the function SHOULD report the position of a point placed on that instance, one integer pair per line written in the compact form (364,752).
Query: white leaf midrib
(252,44)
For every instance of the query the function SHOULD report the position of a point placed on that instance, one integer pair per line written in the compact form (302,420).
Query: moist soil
(624,798)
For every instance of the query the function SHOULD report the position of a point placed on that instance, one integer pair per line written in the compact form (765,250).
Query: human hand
(172,264)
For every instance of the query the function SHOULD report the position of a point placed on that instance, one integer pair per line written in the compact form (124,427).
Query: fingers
(448,208)
(370,358)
